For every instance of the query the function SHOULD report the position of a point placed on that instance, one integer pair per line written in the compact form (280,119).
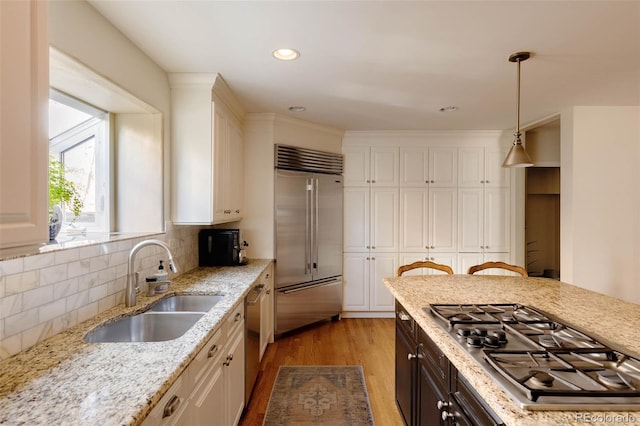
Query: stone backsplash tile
(46,294)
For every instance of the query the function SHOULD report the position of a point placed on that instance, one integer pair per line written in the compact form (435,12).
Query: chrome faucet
(132,283)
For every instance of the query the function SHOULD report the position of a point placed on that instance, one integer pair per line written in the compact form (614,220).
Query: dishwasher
(252,338)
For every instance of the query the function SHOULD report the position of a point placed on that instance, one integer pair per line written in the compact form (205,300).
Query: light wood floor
(369,342)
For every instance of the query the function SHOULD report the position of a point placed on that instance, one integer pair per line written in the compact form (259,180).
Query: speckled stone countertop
(65,381)
(611,320)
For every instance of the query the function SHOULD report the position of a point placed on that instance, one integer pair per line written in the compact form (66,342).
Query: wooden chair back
(501,265)
(425,264)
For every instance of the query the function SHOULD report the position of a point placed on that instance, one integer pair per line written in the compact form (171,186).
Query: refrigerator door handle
(315,225)
(308,227)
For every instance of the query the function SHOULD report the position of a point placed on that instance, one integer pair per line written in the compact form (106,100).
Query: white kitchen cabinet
(211,390)
(206,151)
(429,166)
(173,407)
(367,166)
(363,286)
(483,220)
(206,371)
(266,310)
(234,377)
(428,219)
(482,167)
(449,259)
(24,140)
(370,219)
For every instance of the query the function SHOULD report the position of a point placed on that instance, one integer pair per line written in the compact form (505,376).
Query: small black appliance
(221,247)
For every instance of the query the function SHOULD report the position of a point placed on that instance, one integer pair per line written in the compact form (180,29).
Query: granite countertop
(611,320)
(65,381)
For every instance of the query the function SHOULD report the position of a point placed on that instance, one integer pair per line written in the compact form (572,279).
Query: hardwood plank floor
(369,342)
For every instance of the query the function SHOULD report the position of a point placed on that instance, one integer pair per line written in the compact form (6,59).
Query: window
(78,138)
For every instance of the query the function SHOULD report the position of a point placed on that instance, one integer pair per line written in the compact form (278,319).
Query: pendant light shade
(517,156)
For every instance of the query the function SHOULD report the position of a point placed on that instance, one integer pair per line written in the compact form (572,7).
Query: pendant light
(517,156)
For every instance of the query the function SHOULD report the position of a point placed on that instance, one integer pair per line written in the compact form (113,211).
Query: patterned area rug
(319,395)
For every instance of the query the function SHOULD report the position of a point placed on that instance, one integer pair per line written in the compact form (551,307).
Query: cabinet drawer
(235,319)
(172,408)
(405,322)
(473,406)
(434,359)
(206,358)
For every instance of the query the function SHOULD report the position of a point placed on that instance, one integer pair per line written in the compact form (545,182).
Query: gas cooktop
(540,362)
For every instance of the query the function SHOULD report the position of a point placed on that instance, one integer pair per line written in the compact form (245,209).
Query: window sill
(67,241)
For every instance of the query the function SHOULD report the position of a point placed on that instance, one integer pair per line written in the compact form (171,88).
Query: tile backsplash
(45,294)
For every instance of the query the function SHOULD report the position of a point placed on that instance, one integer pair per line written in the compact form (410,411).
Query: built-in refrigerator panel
(329,216)
(293,241)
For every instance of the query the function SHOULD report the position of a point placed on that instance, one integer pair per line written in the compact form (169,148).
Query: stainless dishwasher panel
(308,303)
(252,339)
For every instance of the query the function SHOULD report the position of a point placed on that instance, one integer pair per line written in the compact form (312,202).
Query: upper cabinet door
(414,166)
(471,167)
(384,166)
(356,166)
(443,167)
(24,141)
(495,174)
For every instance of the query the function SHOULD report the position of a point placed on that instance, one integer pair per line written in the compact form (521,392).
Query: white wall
(600,207)
(81,32)
(261,133)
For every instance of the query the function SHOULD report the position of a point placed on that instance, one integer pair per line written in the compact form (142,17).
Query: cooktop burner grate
(541,362)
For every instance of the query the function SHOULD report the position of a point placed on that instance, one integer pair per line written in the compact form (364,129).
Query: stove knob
(442,404)
(447,415)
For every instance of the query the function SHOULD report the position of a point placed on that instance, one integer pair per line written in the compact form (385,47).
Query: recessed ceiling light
(448,109)
(286,54)
(297,108)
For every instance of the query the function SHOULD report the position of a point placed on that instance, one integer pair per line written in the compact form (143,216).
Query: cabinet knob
(368,247)
(433,247)
(268,291)
(368,181)
(238,211)
(481,181)
(433,181)
(373,258)
(486,181)
(403,316)
(237,317)
(411,356)
(373,247)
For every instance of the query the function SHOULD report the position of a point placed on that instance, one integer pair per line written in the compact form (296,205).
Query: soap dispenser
(161,274)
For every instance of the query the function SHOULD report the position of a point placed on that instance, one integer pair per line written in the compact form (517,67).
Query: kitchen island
(65,381)
(607,319)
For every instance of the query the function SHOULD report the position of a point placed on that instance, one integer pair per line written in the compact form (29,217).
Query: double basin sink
(167,319)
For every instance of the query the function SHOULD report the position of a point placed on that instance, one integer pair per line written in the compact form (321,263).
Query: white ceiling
(389,65)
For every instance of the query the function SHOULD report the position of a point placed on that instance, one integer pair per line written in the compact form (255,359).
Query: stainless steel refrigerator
(308,215)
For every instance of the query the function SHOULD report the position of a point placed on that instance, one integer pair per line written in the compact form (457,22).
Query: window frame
(98,127)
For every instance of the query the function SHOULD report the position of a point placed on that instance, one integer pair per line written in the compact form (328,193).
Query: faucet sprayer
(131,290)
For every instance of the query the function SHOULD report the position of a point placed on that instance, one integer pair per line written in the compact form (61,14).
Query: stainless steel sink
(145,327)
(186,303)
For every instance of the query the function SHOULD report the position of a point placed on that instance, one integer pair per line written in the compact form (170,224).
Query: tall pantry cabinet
(370,226)
(483,222)
(440,196)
